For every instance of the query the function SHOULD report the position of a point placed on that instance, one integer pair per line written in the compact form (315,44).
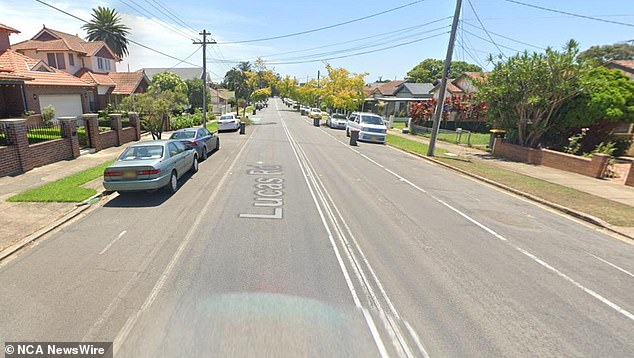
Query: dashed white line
(613,265)
(113,241)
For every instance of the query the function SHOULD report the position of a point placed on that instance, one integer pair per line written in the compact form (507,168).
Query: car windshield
(339,116)
(316,110)
(145,152)
(183,135)
(371,120)
(226,117)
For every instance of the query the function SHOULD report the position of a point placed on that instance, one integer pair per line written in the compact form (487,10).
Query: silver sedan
(150,165)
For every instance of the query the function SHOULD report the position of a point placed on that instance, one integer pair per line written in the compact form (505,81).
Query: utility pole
(205,43)
(443,81)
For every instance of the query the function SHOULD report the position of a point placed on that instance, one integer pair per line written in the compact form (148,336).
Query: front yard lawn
(66,189)
(410,145)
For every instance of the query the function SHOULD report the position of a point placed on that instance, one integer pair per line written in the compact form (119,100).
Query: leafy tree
(342,89)
(261,94)
(155,107)
(605,53)
(169,81)
(287,87)
(527,91)
(195,92)
(431,69)
(106,26)
(309,93)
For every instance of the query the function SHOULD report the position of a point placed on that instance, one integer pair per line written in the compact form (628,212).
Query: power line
(484,28)
(505,37)
(187,58)
(129,40)
(143,12)
(325,27)
(361,53)
(570,13)
(489,41)
(173,16)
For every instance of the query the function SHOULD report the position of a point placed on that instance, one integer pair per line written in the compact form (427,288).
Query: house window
(107,65)
(56,60)
(100,63)
(71,59)
(61,64)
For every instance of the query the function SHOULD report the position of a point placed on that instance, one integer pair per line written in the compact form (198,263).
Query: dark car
(200,139)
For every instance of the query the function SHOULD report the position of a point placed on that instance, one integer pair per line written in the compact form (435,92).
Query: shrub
(48,114)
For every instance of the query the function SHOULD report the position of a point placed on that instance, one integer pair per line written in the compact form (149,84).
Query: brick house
(461,85)
(127,84)
(89,60)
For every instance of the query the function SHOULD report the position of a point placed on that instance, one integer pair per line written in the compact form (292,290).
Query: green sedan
(150,165)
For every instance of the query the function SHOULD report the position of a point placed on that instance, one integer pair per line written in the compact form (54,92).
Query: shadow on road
(144,199)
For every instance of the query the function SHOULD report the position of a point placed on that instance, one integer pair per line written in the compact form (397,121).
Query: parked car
(371,127)
(337,120)
(314,113)
(150,165)
(304,110)
(228,122)
(200,139)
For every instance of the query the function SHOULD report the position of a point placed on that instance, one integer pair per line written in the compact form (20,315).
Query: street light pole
(443,81)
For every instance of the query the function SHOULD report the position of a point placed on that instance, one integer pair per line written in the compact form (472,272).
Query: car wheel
(204,156)
(217,144)
(172,187)
(194,168)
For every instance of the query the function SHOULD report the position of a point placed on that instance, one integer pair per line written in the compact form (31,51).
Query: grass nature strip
(610,211)
(68,189)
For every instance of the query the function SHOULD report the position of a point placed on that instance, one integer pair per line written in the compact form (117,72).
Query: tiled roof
(418,89)
(22,65)
(369,88)
(625,63)
(389,88)
(126,82)
(100,79)
(8,29)
(63,42)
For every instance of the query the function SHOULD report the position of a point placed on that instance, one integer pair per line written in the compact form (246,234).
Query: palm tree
(106,26)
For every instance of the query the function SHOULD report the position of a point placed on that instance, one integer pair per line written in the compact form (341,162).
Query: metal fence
(42,133)
(460,136)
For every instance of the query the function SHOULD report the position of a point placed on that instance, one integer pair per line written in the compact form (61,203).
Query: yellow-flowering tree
(343,89)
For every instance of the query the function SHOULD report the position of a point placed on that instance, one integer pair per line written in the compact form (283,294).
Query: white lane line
(587,290)
(127,327)
(368,318)
(113,241)
(613,265)
(602,299)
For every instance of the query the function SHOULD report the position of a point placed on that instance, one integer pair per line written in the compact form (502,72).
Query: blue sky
(230,21)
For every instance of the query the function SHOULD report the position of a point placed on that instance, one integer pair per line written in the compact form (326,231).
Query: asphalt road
(289,242)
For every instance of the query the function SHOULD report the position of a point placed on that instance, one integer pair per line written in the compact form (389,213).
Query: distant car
(200,139)
(150,165)
(337,120)
(371,127)
(315,113)
(304,110)
(228,122)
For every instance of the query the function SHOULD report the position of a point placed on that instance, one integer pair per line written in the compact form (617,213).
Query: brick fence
(18,156)
(593,167)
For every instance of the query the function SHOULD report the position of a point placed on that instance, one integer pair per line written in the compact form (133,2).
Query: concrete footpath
(19,220)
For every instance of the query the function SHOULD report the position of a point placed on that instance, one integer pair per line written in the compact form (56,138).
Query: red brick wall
(594,167)
(9,161)
(50,151)
(108,139)
(128,135)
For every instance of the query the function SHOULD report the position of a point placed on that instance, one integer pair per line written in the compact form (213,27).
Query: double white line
(356,259)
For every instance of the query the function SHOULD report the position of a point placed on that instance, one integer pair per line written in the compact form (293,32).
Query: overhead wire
(505,37)
(569,13)
(489,41)
(151,16)
(484,28)
(325,27)
(129,40)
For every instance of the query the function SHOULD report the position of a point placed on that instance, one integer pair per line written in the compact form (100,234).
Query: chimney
(5,31)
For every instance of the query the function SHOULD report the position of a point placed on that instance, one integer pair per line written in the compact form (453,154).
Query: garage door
(64,104)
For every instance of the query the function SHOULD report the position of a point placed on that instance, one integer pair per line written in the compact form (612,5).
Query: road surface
(289,242)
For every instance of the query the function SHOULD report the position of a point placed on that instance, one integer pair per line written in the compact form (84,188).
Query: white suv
(371,127)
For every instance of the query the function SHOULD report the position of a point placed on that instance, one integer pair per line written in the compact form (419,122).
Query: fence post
(91,121)
(69,130)
(136,124)
(116,126)
(598,165)
(16,136)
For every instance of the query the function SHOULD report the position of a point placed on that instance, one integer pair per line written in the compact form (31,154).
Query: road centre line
(592,293)
(368,318)
(127,327)
(113,241)
(613,265)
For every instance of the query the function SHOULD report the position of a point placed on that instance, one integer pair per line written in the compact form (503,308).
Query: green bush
(48,114)
(186,121)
